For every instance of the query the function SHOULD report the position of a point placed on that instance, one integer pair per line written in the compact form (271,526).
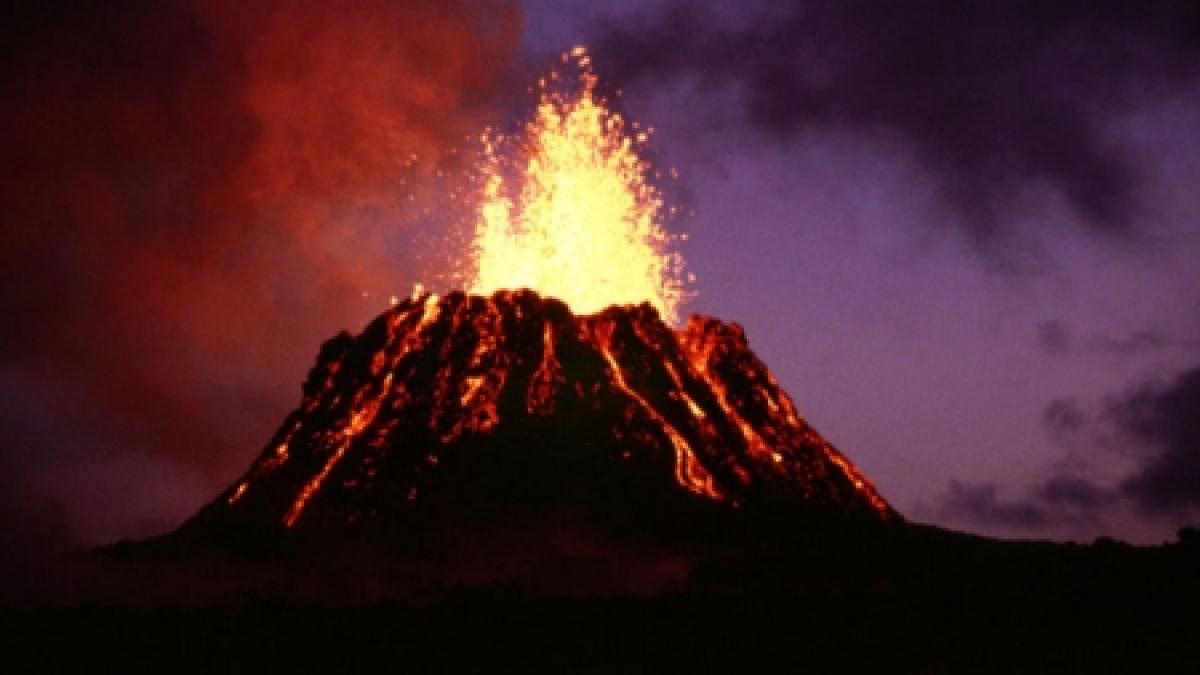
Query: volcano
(572,417)
(511,409)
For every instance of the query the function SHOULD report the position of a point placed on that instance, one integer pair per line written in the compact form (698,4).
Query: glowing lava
(568,211)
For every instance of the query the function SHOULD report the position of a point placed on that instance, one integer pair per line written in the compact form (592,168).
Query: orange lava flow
(856,478)
(281,452)
(473,383)
(313,485)
(239,492)
(568,211)
(549,373)
(360,420)
(477,401)
(365,409)
(754,442)
(689,472)
(860,482)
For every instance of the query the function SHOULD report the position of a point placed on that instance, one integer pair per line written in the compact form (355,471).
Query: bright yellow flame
(585,225)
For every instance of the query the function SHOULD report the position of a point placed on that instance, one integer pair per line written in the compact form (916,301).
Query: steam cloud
(1163,421)
(1157,423)
(992,99)
(196,193)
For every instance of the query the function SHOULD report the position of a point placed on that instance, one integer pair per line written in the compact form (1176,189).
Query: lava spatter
(568,207)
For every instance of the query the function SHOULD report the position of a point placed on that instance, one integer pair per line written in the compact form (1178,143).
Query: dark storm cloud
(992,98)
(1146,341)
(1162,420)
(1054,337)
(1155,424)
(1142,342)
(1070,491)
(981,505)
(194,192)
(1063,498)
(1063,417)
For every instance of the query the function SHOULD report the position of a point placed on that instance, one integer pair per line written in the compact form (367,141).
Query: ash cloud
(1156,424)
(1054,337)
(1143,342)
(992,99)
(196,194)
(1064,418)
(981,505)
(1063,498)
(1161,421)
(1074,492)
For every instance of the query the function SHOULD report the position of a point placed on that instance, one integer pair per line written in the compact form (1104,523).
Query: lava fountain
(568,209)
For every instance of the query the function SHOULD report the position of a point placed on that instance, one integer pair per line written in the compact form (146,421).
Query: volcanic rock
(453,421)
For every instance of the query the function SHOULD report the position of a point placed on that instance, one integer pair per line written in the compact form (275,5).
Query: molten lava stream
(689,472)
(366,408)
(757,447)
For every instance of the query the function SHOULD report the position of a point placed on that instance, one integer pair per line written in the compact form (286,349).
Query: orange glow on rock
(366,405)
(689,472)
(238,492)
(547,377)
(432,378)
(754,442)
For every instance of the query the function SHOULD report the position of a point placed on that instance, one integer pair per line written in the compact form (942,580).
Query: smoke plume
(196,194)
(998,103)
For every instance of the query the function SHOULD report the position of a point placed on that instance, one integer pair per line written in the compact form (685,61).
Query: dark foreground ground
(492,632)
(915,601)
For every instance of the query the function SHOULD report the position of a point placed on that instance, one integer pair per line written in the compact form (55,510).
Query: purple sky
(963,235)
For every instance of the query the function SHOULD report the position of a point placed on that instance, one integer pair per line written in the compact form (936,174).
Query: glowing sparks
(578,220)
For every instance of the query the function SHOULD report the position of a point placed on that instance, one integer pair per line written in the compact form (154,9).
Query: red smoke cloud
(196,194)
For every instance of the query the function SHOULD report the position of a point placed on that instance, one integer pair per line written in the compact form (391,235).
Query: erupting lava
(573,215)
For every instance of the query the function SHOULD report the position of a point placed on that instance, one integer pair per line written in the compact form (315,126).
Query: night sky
(964,235)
